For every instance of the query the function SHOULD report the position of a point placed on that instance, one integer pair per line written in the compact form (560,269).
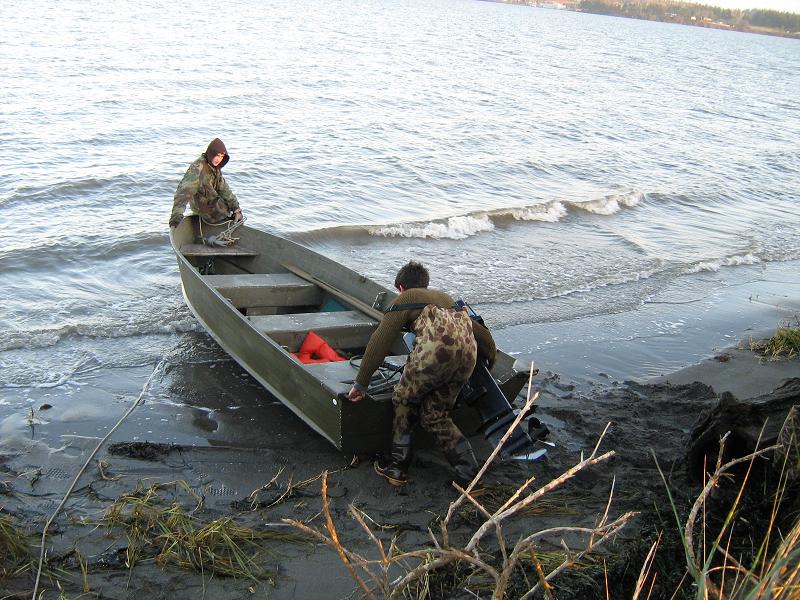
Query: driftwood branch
(416,564)
(448,556)
(531,498)
(530,400)
(494,522)
(601,534)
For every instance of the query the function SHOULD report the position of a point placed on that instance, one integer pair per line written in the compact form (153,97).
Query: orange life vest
(316,350)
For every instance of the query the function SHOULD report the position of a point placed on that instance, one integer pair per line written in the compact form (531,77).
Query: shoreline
(260,486)
(251,460)
(680,326)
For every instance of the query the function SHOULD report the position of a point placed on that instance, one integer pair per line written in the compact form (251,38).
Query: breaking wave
(729,261)
(463,226)
(454,228)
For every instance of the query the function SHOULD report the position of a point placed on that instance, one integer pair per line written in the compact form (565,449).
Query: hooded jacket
(204,188)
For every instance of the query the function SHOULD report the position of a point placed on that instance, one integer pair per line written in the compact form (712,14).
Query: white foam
(611,204)
(730,261)
(132,326)
(463,226)
(599,283)
(552,212)
(455,228)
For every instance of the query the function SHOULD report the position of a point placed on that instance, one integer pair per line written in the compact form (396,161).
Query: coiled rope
(225,237)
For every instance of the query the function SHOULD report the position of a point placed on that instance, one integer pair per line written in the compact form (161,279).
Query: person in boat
(445,350)
(205,190)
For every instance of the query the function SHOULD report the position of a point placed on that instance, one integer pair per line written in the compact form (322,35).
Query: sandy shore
(260,465)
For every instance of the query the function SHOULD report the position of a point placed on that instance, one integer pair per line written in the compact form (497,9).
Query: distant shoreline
(758,21)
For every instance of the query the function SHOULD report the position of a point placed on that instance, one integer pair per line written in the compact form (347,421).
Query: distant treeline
(695,14)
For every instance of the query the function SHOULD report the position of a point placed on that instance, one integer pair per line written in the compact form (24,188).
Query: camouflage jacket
(394,322)
(205,190)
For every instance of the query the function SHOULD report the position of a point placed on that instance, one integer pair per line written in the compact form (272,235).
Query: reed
(772,571)
(15,554)
(784,343)
(168,534)
(488,561)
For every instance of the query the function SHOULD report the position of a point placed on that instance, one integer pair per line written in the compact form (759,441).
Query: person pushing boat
(205,190)
(445,351)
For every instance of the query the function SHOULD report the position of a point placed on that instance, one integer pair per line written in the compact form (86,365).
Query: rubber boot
(463,461)
(395,469)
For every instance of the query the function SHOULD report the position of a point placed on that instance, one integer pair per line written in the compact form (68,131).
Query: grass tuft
(170,535)
(719,566)
(15,554)
(785,342)
(492,498)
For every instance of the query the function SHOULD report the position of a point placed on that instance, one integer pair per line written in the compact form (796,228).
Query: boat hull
(250,299)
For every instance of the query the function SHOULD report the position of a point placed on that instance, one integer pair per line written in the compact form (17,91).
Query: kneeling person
(445,351)
(205,190)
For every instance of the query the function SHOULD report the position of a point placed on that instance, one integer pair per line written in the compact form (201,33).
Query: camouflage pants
(441,361)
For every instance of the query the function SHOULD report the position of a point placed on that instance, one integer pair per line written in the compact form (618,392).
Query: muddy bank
(253,489)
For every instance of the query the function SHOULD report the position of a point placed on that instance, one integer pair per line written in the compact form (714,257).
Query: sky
(780,5)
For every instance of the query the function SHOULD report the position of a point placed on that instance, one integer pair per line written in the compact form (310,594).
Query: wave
(45,337)
(463,226)
(656,272)
(86,249)
(70,189)
(729,261)
(454,228)
(664,269)
(610,204)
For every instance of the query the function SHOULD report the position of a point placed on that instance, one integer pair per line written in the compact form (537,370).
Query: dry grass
(15,554)
(561,503)
(489,559)
(785,342)
(170,535)
(774,570)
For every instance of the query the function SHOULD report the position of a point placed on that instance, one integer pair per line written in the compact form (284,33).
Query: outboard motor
(496,414)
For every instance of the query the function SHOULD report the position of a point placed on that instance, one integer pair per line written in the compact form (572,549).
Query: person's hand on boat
(175,220)
(356,395)
(237,215)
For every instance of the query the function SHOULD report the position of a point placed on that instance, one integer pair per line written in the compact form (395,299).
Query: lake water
(615,196)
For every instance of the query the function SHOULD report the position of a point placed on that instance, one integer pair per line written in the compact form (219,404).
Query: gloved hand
(175,220)
(237,215)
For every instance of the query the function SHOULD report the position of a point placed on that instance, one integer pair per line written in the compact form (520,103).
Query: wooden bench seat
(341,329)
(265,289)
(204,251)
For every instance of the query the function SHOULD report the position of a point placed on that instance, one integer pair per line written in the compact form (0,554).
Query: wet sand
(234,441)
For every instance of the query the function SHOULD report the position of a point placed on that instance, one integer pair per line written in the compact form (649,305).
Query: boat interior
(287,304)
